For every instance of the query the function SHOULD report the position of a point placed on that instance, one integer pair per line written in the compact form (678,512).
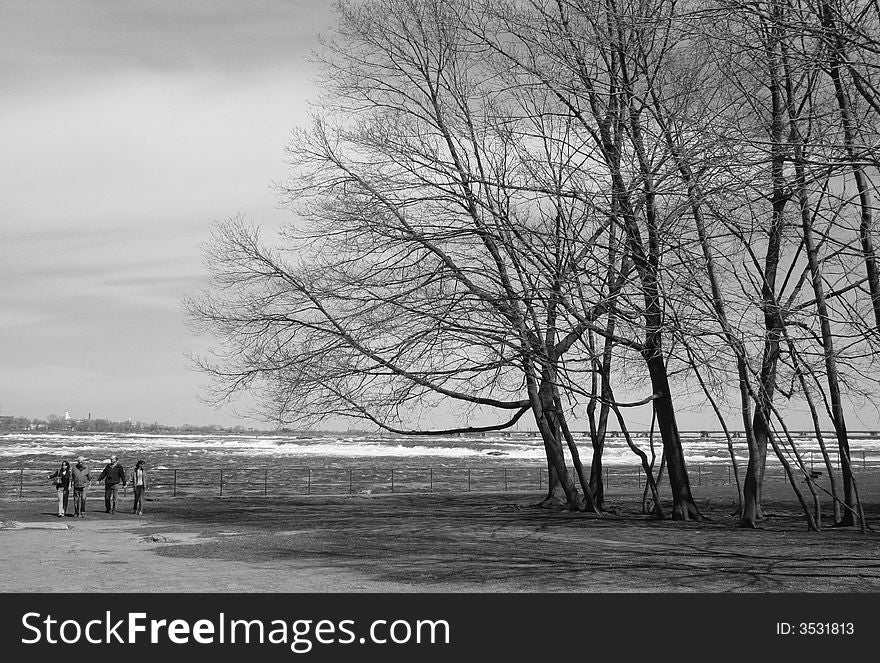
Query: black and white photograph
(491,301)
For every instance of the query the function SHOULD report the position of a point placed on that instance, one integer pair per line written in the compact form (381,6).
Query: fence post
(431,474)
(469,479)
(640,476)
(21,482)
(349,481)
(863,459)
(221,483)
(309,485)
(265,482)
(606,477)
(392,479)
(174,485)
(699,475)
(505,479)
(728,475)
(540,472)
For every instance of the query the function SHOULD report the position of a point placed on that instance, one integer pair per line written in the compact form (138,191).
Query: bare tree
(510,208)
(583,54)
(440,244)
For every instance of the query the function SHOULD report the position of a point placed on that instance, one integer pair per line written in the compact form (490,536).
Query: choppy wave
(336,449)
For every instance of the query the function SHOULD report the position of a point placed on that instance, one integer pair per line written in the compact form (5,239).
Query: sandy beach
(477,542)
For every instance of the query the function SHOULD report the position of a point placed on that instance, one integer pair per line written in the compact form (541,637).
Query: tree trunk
(816,279)
(683,505)
(548,426)
(647,266)
(599,430)
(656,483)
(817,430)
(597,484)
(773,323)
(649,476)
(555,494)
(751,511)
(589,503)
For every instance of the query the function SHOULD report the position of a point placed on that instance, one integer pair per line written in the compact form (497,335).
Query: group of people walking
(78,478)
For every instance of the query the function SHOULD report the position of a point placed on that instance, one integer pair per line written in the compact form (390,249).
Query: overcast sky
(127,128)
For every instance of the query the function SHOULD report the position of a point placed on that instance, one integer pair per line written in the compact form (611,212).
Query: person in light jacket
(139,483)
(81,479)
(61,481)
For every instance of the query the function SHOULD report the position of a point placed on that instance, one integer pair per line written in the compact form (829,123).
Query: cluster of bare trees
(553,206)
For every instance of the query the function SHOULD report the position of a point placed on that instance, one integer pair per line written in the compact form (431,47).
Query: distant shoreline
(207,430)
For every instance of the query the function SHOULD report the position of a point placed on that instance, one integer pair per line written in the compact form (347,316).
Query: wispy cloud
(128,128)
(46,40)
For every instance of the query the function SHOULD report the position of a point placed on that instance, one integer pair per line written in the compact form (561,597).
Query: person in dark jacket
(112,475)
(81,479)
(61,481)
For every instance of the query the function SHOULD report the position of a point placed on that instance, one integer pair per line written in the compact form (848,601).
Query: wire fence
(287,481)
